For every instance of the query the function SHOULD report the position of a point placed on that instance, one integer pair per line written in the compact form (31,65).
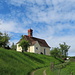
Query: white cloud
(48,2)
(61,10)
(40,2)
(16,2)
(11,26)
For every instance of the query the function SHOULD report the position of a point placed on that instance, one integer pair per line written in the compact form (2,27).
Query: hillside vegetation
(67,68)
(17,63)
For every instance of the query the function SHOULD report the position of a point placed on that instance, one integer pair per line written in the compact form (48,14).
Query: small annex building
(37,45)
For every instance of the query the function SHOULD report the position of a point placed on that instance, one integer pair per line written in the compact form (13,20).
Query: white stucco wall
(30,49)
(37,46)
(19,48)
(41,49)
(45,50)
(33,49)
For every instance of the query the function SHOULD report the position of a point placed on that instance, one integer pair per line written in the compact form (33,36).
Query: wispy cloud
(11,26)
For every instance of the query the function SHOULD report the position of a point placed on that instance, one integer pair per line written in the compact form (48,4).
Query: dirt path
(32,73)
(44,72)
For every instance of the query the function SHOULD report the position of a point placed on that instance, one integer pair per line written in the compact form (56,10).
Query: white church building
(37,45)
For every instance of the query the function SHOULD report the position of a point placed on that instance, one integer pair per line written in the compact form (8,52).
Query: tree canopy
(55,52)
(64,49)
(24,44)
(4,39)
(61,52)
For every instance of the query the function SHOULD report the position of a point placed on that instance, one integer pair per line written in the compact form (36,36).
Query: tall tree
(4,39)
(61,52)
(64,49)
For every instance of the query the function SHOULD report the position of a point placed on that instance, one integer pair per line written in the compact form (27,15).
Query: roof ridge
(33,37)
(33,40)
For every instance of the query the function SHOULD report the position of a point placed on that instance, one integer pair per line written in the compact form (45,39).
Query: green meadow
(17,63)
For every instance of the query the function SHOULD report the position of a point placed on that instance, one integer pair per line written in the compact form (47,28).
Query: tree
(1,39)
(61,52)
(64,49)
(13,46)
(24,44)
(55,52)
(4,40)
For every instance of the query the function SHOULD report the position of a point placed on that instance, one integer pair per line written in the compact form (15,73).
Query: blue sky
(52,20)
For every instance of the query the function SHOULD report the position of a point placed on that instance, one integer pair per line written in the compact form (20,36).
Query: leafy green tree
(4,40)
(1,39)
(24,44)
(64,49)
(61,52)
(55,52)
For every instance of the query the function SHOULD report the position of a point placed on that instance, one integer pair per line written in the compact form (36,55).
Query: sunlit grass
(17,63)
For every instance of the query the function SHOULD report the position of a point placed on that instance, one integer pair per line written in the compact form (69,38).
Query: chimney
(30,32)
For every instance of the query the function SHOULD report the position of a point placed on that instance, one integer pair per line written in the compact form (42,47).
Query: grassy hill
(17,63)
(66,68)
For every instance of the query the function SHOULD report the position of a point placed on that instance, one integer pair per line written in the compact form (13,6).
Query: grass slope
(16,63)
(68,69)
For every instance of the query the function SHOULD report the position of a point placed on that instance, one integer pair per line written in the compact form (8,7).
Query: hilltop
(17,63)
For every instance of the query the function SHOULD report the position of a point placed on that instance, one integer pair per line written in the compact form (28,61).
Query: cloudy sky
(52,20)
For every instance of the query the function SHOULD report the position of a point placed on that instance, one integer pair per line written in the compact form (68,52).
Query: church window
(36,48)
